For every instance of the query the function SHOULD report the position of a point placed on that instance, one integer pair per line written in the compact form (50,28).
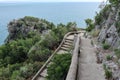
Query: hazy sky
(51,0)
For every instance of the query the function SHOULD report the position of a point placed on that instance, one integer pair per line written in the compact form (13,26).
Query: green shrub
(108,74)
(16,76)
(90,25)
(59,67)
(39,55)
(117,52)
(30,18)
(37,66)
(4,73)
(26,71)
(106,46)
(98,19)
(109,57)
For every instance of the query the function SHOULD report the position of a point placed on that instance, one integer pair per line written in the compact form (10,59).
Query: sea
(56,12)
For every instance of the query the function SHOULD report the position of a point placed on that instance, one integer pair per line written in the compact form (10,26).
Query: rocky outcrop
(27,26)
(108,31)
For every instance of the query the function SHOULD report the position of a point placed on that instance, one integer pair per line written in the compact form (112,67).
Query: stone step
(67,43)
(63,48)
(66,46)
(62,52)
(41,78)
(69,39)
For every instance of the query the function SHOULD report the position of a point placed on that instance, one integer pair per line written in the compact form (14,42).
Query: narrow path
(88,68)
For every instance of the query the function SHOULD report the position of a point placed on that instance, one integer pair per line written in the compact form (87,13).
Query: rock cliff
(108,22)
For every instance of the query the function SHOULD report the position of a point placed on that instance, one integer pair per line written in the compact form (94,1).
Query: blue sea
(53,12)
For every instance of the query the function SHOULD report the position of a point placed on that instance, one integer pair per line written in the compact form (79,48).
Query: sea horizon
(56,12)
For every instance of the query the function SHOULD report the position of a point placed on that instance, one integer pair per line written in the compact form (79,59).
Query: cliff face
(108,22)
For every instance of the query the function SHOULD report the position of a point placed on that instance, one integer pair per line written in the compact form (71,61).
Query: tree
(71,26)
(60,31)
(88,21)
(90,25)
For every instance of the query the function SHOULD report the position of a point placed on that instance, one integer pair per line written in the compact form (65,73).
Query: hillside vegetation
(29,44)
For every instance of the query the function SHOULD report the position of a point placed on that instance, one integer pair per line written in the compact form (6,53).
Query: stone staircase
(65,48)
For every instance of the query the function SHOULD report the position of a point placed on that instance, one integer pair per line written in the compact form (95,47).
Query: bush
(108,74)
(39,55)
(59,67)
(106,46)
(31,19)
(117,52)
(90,25)
(109,57)
(16,76)
(50,41)
(26,71)
(5,73)
(98,19)
(37,66)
